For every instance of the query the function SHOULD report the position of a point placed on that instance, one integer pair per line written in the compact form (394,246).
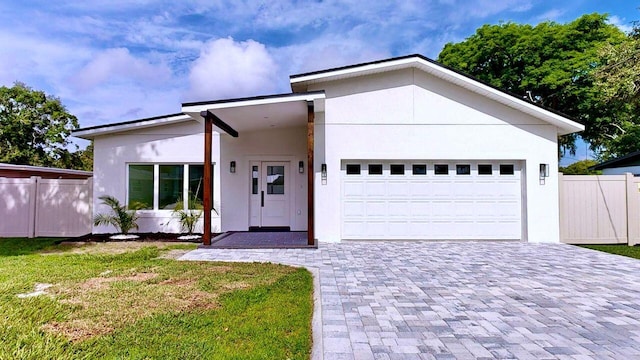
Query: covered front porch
(267,168)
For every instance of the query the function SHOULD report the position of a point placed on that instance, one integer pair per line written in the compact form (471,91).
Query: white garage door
(431,199)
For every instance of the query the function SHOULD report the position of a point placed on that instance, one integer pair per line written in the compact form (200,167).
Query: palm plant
(122,217)
(188,218)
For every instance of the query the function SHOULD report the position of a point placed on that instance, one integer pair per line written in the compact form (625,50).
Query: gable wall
(170,144)
(409,114)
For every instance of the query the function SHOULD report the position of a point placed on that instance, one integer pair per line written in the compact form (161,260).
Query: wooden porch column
(310,175)
(208,134)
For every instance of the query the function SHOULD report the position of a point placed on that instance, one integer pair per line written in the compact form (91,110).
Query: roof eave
(108,129)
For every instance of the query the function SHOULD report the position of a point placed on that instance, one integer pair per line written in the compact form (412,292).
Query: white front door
(270,194)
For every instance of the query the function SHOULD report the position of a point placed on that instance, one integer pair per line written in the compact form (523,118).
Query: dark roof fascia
(619,162)
(126,122)
(291,77)
(252,98)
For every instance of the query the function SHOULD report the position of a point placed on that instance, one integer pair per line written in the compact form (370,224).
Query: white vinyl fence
(600,209)
(32,207)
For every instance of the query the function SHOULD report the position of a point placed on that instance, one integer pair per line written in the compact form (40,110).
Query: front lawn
(622,249)
(119,301)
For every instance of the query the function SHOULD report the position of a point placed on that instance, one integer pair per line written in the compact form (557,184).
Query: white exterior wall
(288,144)
(181,143)
(408,114)
(622,170)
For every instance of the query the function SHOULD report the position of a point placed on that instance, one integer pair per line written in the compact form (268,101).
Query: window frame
(467,167)
(346,169)
(391,169)
(507,173)
(435,169)
(485,173)
(376,173)
(156,183)
(413,169)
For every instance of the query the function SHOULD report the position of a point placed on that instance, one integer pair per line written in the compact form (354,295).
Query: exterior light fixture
(232,167)
(544,171)
(301,167)
(323,172)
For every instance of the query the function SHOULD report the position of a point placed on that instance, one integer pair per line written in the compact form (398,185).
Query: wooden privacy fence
(32,207)
(599,209)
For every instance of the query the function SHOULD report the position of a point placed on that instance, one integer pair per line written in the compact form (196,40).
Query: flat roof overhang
(259,113)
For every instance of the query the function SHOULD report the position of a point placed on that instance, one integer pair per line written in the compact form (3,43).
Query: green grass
(622,249)
(136,305)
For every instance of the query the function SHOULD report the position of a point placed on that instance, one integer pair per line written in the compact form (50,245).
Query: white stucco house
(402,148)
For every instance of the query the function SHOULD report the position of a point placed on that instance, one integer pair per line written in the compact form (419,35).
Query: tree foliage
(618,81)
(35,129)
(581,168)
(550,64)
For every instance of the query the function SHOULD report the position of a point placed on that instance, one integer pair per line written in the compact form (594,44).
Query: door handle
(262,198)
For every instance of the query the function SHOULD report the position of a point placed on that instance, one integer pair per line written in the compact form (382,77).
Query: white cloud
(226,68)
(621,23)
(114,64)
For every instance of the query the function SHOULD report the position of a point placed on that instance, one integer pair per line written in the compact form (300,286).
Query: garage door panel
(353,209)
(429,206)
(399,209)
(353,189)
(397,188)
(375,188)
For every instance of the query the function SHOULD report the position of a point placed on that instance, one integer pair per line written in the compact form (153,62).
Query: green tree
(35,128)
(618,81)
(581,168)
(550,64)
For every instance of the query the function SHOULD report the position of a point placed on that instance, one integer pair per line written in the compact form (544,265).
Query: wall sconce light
(544,171)
(301,167)
(323,172)
(232,167)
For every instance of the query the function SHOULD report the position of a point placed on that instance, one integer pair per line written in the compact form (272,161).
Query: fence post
(561,206)
(633,211)
(33,205)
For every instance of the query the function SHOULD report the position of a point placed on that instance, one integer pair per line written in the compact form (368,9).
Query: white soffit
(250,114)
(91,132)
(564,125)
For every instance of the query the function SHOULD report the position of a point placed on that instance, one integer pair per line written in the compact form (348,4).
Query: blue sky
(120,60)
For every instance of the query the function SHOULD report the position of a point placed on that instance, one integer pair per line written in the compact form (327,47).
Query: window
(254,180)
(196,186)
(353,169)
(375,169)
(419,169)
(485,169)
(463,169)
(275,180)
(169,183)
(506,169)
(397,169)
(441,169)
(141,185)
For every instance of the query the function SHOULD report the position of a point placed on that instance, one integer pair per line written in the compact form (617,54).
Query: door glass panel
(275,180)
(254,180)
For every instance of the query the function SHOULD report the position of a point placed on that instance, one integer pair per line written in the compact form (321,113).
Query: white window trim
(156,184)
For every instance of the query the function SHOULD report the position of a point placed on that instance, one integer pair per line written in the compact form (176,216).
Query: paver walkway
(467,300)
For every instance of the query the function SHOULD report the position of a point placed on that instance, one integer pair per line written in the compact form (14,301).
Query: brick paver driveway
(467,300)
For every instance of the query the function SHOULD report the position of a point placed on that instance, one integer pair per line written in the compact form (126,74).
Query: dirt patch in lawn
(106,303)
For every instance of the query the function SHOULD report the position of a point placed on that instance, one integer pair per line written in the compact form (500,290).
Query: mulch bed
(167,237)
